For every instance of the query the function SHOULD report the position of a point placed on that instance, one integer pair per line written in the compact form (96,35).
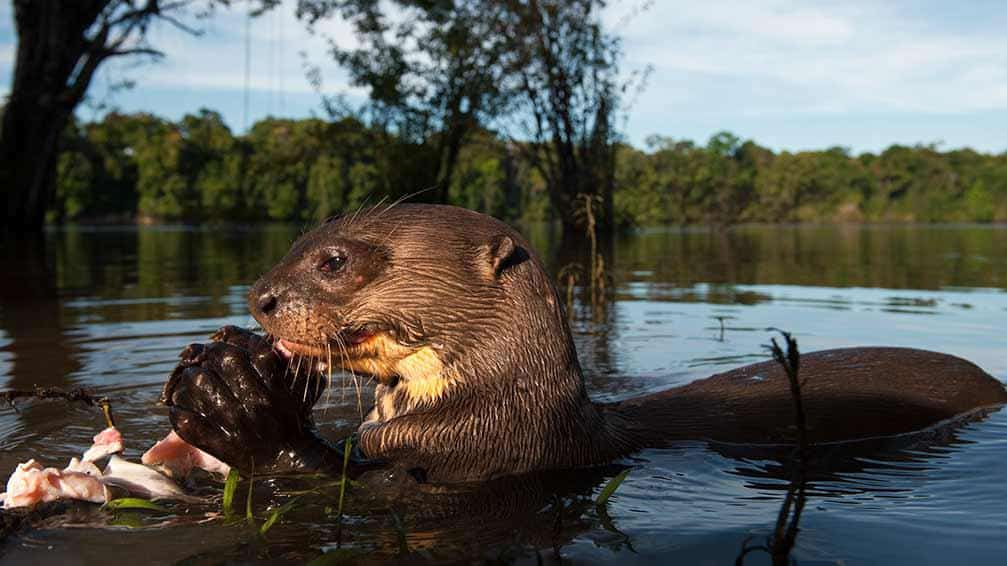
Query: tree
(678,169)
(61,44)
(637,198)
(563,65)
(163,186)
(727,179)
(213,163)
(431,70)
(75,171)
(438,72)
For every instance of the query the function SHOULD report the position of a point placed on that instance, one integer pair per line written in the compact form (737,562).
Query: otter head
(448,308)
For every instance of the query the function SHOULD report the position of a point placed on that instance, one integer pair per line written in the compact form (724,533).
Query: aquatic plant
(230,487)
(779,545)
(133,503)
(610,487)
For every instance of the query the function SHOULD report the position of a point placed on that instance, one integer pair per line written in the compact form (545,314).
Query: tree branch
(179,24)
(135,51)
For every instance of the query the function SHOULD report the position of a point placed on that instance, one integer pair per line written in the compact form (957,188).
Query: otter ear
(499,254)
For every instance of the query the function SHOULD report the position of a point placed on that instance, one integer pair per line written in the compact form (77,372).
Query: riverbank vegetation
(503,106)
(437,76)
(139,166)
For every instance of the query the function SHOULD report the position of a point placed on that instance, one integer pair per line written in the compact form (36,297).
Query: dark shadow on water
(536,518)
(40,342)
(70,303)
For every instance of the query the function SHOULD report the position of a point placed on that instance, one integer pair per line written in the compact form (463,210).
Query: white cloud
(216,60)
(814,57)
(827,68)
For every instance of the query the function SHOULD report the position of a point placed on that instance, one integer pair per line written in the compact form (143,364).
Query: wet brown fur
(478,373)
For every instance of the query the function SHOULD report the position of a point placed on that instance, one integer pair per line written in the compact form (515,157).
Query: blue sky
(787,74)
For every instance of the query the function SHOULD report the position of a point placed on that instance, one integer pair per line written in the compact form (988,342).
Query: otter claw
(242,338)
(192,354)
(169,386)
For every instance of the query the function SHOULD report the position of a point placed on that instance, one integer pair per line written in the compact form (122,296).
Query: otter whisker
(345,356)
(318,383)
(286,372)
(297,373)
(353,374)
(377,204)
(360,402)
(391,232)
(402,199)
(360,208)
(293,384)
(273,339)
(328,367)
(345,364)
(297,376)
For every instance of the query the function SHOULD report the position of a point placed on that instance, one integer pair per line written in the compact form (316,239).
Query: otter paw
(237,405)
(242,338)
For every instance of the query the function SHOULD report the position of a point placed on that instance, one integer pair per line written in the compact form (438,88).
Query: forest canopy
(142,167)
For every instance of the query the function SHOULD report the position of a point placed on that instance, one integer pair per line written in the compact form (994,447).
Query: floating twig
(77,395)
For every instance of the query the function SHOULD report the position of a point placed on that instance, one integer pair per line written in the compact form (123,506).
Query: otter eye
(333,264)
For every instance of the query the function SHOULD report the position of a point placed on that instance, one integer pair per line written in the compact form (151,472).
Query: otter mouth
(344,343)
(361,350)
(368,350)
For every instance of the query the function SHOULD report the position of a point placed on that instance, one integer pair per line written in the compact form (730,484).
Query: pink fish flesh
(176,458)
(106,442)
(81,479)
(30,484)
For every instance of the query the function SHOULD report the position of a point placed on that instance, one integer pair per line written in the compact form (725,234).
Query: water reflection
(892,257)
(110,308)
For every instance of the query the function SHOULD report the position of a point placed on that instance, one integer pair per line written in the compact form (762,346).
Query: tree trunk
(451,148)
(29,149)
(512,205)
(49,81)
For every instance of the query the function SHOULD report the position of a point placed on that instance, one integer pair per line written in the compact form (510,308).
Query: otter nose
(266,303)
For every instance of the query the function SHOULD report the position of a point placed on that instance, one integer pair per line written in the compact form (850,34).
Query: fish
(176,458)
(31,483)
(143,481)
(81,479)
(105,443)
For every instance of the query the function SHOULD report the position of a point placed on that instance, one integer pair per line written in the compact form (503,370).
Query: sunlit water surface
(110,309)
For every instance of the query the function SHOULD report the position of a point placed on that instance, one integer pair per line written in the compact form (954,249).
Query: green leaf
(346,463)
(128,519)
(134,503)
(612,485)
(275,515)
(230,488)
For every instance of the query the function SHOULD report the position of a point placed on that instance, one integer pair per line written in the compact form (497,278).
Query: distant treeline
(139,166)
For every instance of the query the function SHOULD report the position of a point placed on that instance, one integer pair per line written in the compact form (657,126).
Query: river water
(110,308)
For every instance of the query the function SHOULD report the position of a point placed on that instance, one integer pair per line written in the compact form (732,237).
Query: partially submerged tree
(431,70)
(437,72)
(564,64)
(61,45)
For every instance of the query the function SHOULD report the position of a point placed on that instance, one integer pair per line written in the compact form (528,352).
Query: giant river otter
(453,314)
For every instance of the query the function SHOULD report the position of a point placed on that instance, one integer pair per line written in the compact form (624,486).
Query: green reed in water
(230,488)
(135,503)
(610,487)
